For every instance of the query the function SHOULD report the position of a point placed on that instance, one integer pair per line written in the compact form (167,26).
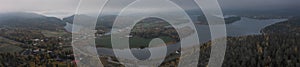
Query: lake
(243,27)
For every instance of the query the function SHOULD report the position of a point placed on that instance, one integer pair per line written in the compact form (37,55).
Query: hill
(30,21)
(292,26)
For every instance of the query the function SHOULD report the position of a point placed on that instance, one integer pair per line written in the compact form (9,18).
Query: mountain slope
(30,21)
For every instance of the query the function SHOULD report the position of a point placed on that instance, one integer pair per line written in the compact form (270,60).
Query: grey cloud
(69,6)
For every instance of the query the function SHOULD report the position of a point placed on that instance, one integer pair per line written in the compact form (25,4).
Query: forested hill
(30,21)
(292,26)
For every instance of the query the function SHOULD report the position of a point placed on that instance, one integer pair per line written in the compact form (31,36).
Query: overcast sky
(68,7)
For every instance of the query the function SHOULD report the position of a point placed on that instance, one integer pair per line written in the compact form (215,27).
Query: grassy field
(9,46)
(53,33)
(135,42)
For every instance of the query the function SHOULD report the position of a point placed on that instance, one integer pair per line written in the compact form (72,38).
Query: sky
(68,7)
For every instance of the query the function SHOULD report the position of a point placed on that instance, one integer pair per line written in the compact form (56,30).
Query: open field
(10,46)
(135,42)
(53,33)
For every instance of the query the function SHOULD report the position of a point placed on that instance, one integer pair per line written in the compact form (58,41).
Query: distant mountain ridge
(30,21)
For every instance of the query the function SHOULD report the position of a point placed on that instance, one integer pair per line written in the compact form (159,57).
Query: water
(69,27)
(243,27)
(246,26)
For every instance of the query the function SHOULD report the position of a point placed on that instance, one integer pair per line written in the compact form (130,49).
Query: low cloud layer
(59,7)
